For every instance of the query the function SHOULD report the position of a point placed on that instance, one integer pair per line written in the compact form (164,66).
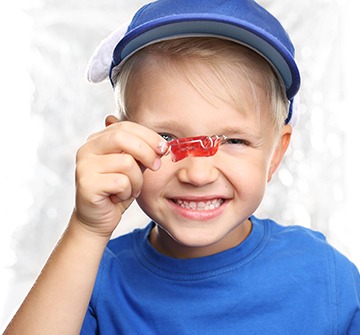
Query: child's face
(202,204)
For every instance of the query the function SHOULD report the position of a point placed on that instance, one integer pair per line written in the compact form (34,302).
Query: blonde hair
(226,58)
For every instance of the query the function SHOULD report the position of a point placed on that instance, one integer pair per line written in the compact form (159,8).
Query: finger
(143,144)
(117,164)
(105,205)
(111,184)
(119,131)
(118,185)
(123,164)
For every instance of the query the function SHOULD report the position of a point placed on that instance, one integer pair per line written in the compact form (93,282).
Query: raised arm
(108,178)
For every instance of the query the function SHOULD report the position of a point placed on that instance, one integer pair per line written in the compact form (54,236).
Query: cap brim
(239,31)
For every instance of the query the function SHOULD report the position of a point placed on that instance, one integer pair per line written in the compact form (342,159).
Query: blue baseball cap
(242,21)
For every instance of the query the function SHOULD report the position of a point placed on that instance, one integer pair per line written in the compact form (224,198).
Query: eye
(236,141)
(167,137)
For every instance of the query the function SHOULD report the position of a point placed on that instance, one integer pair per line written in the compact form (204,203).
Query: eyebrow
(240,131)
(163,125)
(176,127)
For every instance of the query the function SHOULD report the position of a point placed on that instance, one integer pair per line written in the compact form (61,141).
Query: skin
(125,161)
(236,176)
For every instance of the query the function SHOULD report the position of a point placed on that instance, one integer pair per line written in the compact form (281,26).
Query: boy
(204,90)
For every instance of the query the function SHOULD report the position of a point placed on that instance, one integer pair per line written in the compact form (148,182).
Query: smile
(200,205)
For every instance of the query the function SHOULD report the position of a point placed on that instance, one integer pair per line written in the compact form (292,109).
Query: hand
(109,173)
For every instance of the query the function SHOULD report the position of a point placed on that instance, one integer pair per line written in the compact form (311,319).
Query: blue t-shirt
(280,280)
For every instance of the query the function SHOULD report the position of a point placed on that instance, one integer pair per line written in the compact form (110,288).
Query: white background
(47,109)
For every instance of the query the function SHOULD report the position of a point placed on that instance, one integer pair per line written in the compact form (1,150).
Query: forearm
(109,175)
(58,301)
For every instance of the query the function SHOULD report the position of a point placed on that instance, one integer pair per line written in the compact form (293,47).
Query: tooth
(201,205)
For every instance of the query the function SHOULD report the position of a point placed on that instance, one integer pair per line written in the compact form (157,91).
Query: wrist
(79,230)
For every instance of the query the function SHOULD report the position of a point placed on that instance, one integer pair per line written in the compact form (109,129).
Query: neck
(165,244)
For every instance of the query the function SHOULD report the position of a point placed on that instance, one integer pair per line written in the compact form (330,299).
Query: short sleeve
(89,326)
(348,295)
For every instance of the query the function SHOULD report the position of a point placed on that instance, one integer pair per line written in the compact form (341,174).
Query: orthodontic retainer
(199,146)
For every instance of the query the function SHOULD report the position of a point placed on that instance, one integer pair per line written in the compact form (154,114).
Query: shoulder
(293,232)
(308,250)
(305,254)
(293,239)
(119,246)
(119,257)
(296,238)
(306,240)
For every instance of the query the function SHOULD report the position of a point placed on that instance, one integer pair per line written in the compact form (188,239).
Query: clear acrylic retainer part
(199,146)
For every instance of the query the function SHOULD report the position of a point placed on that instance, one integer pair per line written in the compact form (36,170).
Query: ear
(279,152)
(111,119)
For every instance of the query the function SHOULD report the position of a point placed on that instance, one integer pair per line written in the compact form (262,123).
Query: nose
(198,171)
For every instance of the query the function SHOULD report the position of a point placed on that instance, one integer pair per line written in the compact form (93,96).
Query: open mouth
(199,205)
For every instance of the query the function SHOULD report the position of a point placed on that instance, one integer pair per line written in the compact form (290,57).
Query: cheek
(249,178)
(150,178)
(153,185)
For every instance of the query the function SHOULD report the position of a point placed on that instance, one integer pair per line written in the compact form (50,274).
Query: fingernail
(163,147)
(157,164)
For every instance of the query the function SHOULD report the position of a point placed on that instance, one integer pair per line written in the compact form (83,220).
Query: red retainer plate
(199,146)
